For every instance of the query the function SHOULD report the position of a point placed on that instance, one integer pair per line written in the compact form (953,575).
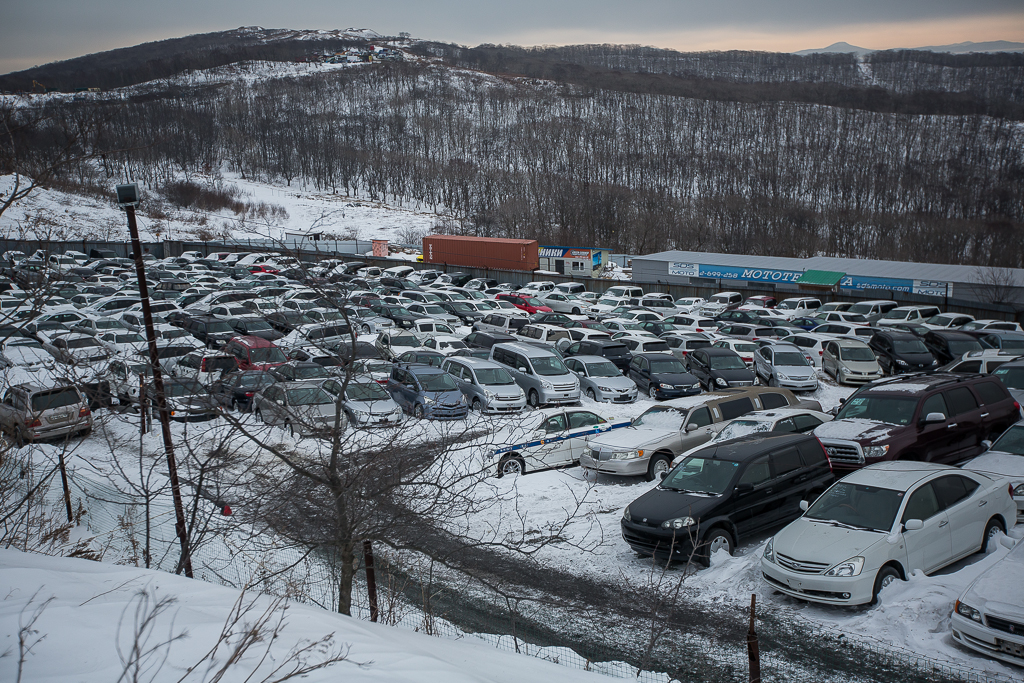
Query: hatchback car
(186,399)
(426,392)
(301,408)
(487,386)
(365,401)
(724,493)
(882,523)
(601,380)
(719,368)
(784,365)
(900,352)
(849,361)
(30,412)
(235,390)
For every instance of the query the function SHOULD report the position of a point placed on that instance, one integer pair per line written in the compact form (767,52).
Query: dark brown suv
(934,418)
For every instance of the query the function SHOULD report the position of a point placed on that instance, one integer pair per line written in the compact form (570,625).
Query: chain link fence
(116,521)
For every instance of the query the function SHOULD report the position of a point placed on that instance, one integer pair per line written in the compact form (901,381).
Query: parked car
(488,387)
(525,302)
(850,361)
(255,353)
(643,344)
(984,361)
(1005,458)
(611,349)
(557,437)
(949,345)
(501,323)
(908,314)
(665,430)
(31,412)
(562,302)
(254,326)
(601,380)
(901,352)
(365,402)
(392,344)
(988,614)
(1002,325)
(539,372)
(187,400)
(724,493)
(925,418)
(26,353)
(784,365)
(800,306)
(428,392)
(947,321)
(423,357)
(1012,376)
(878,525)
(301,408)
(873,310)
(683,344)
(719,368)
(235,390)
(485,340)
(779,421)
(661,376)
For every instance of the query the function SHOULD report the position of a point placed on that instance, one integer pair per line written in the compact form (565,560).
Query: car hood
(734,375)
(629,438)
(191,402)
(915,358)
(658,505)
(860,365)
(998,589)
(446,397)
(821,542)
(796,371)
(855,430)
(676,378)
(1000,463)
(381,407)
(620,382)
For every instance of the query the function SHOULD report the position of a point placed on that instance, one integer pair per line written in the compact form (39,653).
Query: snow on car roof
(898,475)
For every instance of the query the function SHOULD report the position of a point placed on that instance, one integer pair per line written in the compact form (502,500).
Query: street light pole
(128,198)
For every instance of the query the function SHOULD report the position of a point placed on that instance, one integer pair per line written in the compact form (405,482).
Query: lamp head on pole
(128,195)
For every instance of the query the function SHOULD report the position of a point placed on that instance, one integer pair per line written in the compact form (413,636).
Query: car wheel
(533,399)
(659,463)
(591,395)
(717,539)
(652,391)
(512,465)
(417,411)
(993,528)
(365,329)
(886,575)
(477,405)
(576,311)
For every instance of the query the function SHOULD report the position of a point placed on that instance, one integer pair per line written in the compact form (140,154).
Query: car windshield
(857,505)
(609,302)
(257,325)
(959,347)
(366,391)
(438,382)
(128,338)
(310,372)
(549,366)
(1011,377)
(108,325)
(909,346)
(789,358)
(434,310)
(173,351)
(494,376)
(461,307)
(179,388)
(701,475)
(788,305)
(895,410)
(668,367)
(83,343)
(660,418)
(257,380)
(1012,441)
(895,314)
(270,354)
(738,428)
(605,369)
(55,398)
(405,340)
(727,363)
(743,348)
(308,396)
(856,353)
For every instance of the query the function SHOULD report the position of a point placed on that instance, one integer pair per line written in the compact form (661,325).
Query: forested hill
(163,58)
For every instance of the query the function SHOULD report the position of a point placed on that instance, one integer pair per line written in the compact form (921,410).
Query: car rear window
(811,453)
(55,398)
(786,460)
(990,392)
(1011,377)
(770,400)
(735,408)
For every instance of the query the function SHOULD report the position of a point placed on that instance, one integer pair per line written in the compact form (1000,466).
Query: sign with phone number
(928,287)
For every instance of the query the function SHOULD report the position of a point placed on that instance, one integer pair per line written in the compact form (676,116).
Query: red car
(264,269)
(525,303)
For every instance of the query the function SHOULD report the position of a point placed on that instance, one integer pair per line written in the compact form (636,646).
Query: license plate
(1011,648)
(59,418)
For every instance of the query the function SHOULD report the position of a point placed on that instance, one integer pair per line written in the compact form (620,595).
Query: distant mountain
(956,48)
(837,48)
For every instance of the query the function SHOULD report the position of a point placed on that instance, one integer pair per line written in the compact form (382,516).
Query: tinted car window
(990,392)
(923,504)
(757,472)
(786,460)
(770,400)
(583,419)
(701,417)
(735,408)
(811,453)
(961,400)
(953,489)
(934,404)
(805,423)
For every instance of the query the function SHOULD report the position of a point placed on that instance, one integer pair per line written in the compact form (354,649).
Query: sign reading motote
(929,287)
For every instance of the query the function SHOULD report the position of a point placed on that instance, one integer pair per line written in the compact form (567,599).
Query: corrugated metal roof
(906,270)
(823,278)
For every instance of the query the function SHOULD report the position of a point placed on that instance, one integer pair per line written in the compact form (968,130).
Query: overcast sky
(35,32)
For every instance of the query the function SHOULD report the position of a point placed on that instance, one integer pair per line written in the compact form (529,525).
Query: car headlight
(665,386)
(966,610)
(462,398)
(721,382)
(490,395)
(677,523)
(546,384)
(696,385)
(850,567)
(605,388)
(360,414)
(1019,491)
(935,362)
(625,515)
(901,362)
(781,376)
(627,455)
(876,451)
(428,400)
(769,550)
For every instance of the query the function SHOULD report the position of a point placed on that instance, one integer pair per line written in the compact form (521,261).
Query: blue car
(426,392)
(806,323)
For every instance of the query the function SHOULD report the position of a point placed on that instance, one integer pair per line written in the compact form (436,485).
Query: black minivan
(725,492)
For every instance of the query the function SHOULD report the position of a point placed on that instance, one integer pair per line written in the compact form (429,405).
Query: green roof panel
(821,278)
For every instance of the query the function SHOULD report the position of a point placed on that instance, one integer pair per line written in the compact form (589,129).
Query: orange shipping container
(481,252)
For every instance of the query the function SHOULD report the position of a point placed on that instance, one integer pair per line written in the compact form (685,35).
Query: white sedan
(989,616)
(879,524)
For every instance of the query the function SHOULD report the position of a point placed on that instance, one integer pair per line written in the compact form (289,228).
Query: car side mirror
(842,401)
(986,444)
(279,402)
(934,417)
(691,427)
(744,488)
(804,505)
(913,525)
(522,369)
(663,475)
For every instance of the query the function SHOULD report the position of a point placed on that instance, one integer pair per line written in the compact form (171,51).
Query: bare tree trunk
(348,574)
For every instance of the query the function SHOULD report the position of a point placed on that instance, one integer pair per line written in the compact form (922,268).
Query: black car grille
(800,565)
(1005,625)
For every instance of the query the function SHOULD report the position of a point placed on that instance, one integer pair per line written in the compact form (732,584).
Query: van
(908,314)
(623,292)
(872,310)
(540,373)
(570,288)
(254,353)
